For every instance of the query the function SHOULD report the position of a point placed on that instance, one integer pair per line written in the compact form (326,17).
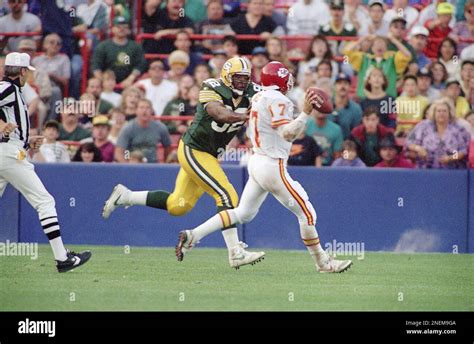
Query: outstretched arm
(220,113)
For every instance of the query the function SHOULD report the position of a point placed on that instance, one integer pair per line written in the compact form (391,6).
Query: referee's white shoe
(118,198)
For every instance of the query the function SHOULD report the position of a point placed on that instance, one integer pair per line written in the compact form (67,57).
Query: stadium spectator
(349,156)
(391,64)
(52,150)
(468,53)
(183,43)
(368,135)
(305,152)
(202,72)
(438,141)
(327,135)
(109,82)
(230,46)
(56,18)
(157,89)
(58,67)
(94,20)
(297,93)
(465,28)
(88,153)
(137,157)
(401,8)
(278,17)
(439,28)
(319,50)
(259,60)
(307,17)
(347,113)
(119,54)
(253,23)
(324,70)
(39,78)
(470,119)
(467,74)
(337,27)
(130,97)
(215,24)
(164,22)
(357,15)
(377,23)
(178,62)
(101,106)
(440,75)
(181,105)
(144,134)
(69,129)
(397,29)
(276,48)
(410,106)
(424,78)
(447,56)
(453,92)
(429,13)
(418,41)
(390,152)
(117,121)
(217,62)
(18,20)
(100,134)
(375,95)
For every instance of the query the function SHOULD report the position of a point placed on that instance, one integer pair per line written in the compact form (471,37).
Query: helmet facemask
(239,82)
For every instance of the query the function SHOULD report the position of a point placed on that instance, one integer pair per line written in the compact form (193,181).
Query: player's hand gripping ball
(322,102)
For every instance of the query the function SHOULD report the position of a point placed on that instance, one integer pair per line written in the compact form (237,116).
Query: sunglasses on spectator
(157,67)
(15,1)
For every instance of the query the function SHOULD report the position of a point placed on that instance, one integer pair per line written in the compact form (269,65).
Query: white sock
(58,249)
(208,227)
(225,218)
(137,197)
(310,238)
(231,237)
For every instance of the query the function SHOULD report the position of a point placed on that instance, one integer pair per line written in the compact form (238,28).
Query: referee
(14,166)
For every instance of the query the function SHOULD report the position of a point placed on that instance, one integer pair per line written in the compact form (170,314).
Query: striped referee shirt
(13,109)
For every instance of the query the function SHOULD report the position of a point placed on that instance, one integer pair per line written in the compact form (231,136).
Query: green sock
(157,199)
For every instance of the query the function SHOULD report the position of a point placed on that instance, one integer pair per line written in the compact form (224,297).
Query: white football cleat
(119,197)
(326,264)
(238,256)
(185,244)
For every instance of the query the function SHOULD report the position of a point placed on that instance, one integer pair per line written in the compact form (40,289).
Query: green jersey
(208,135)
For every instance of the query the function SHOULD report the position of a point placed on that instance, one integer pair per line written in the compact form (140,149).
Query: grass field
(151,279)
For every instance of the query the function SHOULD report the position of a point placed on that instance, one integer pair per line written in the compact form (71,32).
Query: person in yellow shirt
(410,106)
(453,92)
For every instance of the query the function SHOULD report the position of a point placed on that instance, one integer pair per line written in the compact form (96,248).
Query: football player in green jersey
(222,111)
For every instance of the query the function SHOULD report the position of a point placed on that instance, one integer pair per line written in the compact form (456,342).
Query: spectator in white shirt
(306,16)
(52,150)
(158,90)
(356,14)
(109,82)
(401,9)
(18,20)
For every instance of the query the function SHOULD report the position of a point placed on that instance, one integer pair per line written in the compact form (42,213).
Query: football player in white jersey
(272,129)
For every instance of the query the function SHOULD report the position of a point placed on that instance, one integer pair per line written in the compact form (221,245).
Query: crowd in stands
(400,73)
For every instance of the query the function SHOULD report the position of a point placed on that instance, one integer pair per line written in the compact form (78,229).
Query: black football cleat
(73,260)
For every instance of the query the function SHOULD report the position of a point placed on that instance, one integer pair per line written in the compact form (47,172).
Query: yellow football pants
(200,172)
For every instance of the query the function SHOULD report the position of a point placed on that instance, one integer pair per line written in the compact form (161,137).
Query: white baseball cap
(18,60)
(419,30)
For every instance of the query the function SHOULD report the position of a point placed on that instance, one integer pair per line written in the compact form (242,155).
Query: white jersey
(270,110)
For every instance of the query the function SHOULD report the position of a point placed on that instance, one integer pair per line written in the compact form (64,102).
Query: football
(323,102)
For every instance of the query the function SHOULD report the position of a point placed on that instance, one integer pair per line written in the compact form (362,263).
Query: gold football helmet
(236,74)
